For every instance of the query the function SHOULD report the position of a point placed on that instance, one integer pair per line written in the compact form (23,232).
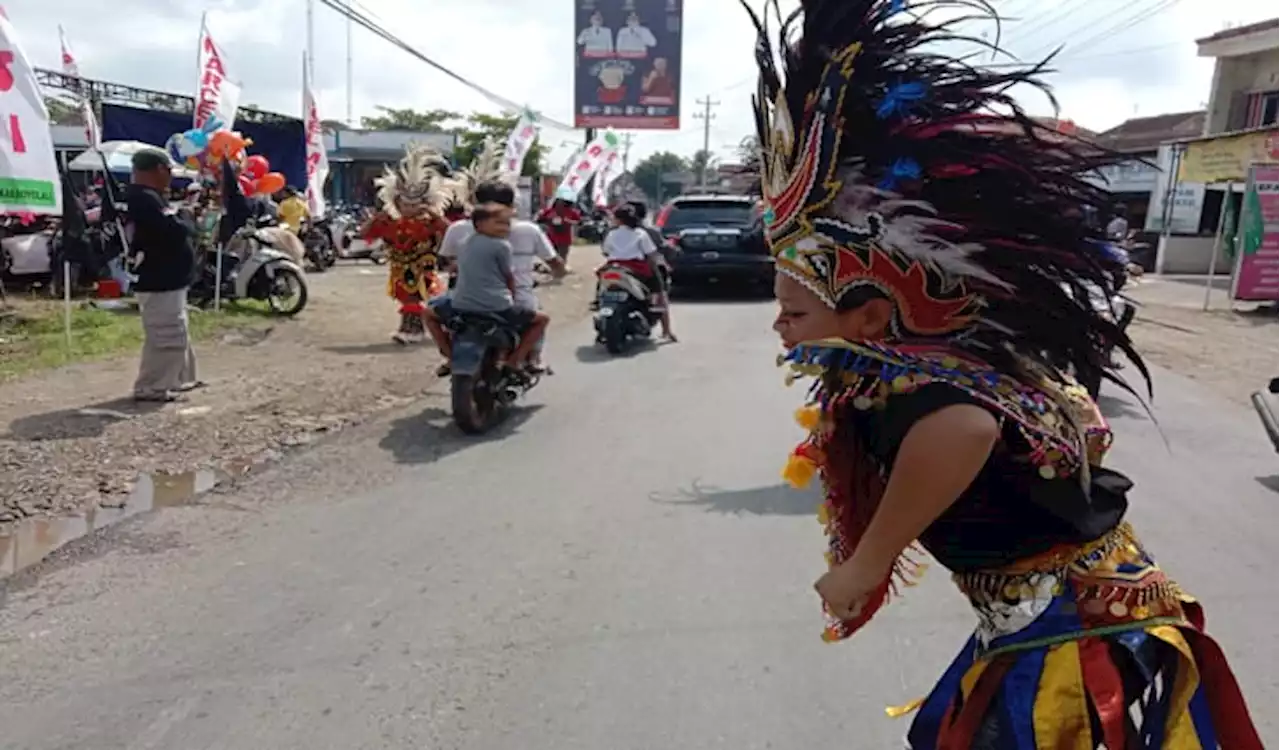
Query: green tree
(63,112)
(480,126)
(702,165)
(649,175)
(431,121)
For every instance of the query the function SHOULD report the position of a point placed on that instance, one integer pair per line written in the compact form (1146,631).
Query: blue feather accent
(899,98)
(902,169)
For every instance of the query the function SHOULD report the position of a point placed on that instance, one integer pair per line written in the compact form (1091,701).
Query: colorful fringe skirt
(1085,648)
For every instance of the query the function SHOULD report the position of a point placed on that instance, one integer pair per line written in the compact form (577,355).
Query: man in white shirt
(528,245)
(596,40)
(635,40)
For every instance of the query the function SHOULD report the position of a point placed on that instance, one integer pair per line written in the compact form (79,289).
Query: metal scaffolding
(100,92)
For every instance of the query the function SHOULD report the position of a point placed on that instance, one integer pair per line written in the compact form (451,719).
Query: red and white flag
(92,134)
(317,159)
(217,96)
(29,180)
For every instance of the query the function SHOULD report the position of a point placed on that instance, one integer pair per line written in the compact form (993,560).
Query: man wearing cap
(163,243)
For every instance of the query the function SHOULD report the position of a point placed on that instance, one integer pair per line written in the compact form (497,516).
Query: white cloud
(522,49)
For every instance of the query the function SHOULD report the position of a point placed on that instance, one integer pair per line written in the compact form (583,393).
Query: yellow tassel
(799,471)
(824,513)
(895,712)
(808,417)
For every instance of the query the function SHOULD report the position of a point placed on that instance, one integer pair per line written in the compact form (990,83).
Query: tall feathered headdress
(485,167)
(420,183)
(890,168)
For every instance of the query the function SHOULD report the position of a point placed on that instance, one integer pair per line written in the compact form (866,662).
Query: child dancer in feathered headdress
(934,268)
(414,199)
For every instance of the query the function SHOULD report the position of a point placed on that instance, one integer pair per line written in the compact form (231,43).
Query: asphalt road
(619,568)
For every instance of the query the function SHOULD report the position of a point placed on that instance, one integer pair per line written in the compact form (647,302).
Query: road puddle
(33,539)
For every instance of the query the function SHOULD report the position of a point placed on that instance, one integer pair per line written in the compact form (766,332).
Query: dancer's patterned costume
(414,200)
(892,171)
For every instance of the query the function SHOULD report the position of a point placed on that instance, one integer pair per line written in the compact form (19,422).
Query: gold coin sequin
(1118,609)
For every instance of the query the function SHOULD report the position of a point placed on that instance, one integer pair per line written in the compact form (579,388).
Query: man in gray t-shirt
(486,281)
(485,275)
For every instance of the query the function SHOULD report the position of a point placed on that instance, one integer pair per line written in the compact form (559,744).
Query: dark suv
(712,238)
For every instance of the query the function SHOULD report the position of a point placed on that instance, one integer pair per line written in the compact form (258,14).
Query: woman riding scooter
(629,246)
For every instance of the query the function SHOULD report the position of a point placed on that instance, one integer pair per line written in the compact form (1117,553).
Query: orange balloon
(271,182)
(224,143)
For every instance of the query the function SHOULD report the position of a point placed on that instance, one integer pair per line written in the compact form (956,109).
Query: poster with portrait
(627,64)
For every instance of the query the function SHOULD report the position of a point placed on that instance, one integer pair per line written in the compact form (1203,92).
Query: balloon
(246,185)
(256,166)
(195,141)
(173,147)
(272,182)
(225,143)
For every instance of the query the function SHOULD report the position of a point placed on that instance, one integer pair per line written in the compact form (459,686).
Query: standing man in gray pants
(163,242)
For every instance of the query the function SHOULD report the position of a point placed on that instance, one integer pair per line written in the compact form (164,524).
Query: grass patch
(32,334)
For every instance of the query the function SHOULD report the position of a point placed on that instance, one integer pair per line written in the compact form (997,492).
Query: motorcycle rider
(487,284)
(529,244)
(629,245)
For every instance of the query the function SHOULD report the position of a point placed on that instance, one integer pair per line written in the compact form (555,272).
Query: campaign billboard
(627,64)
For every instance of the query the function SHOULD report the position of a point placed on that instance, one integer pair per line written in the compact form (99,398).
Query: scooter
(624,309)
(264,274)
(316,238)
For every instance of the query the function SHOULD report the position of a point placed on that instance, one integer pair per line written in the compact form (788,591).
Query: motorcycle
(624,309)
(1262,404)
(317,238)
(481,389)
(350,245)
(257,271)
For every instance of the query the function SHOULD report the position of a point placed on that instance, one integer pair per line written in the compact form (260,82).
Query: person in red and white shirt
(559,219)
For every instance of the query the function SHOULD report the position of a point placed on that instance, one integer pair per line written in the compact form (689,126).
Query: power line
(1042,23)
(1089,28)
(1133,20)
(372,26)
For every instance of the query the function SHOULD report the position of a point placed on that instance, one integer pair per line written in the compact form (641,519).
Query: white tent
(119,155)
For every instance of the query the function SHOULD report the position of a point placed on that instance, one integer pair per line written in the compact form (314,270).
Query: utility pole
(626,150)
(351,108)
(311,41)
(706,116)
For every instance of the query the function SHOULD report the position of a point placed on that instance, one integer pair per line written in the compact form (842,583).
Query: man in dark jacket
(162,241)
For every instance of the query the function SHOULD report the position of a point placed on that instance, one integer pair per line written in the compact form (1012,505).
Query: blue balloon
(194,142)
(173,147)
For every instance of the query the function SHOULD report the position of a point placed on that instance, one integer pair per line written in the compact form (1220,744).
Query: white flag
(586,164)
(92,135)
(519,142)
(29,179)
(217,96)
(609,172)
(317,159)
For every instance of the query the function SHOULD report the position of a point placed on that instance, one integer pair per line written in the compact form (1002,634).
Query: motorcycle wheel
(288,306)
(473,404)
(615,334)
